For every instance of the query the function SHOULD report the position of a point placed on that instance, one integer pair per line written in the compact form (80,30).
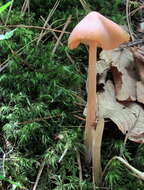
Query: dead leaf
(140,92)
(124,74)
(128,118)
(139,62)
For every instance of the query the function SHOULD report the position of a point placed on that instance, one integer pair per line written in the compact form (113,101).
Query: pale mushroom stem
(96,152)
(91,100)
(93,130)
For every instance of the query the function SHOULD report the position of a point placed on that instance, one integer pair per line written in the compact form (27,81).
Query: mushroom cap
(96,28)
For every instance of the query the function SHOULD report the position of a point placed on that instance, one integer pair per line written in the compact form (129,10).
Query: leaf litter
(121,96)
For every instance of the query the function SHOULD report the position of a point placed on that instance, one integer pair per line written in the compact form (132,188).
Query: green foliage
(39,95)
(14,184)
(119,177)
(5,6)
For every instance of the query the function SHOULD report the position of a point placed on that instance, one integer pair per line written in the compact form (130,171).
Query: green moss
(39,95)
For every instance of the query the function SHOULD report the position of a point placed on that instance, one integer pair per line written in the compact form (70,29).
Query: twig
(3,164)
(48,18)
(25,7)
(85,5)
(10,159)
(9,11)
(137,173)
(81,126)
(137,9)
(23,62)
(79,117)
(5,63)
(54,34)
(62,33)
(39,175)
(4,159)
(33,27)
(3,66)
(131,44)
(79,167)
(36,119)
(128,20)
(63,154)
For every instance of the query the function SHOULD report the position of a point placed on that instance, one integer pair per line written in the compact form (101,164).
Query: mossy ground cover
(41,96)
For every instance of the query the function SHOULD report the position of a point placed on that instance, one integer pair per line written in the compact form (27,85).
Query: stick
(62,33)
(137,173)
(33,27)
(39,174)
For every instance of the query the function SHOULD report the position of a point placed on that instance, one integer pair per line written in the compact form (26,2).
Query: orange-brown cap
(99,29)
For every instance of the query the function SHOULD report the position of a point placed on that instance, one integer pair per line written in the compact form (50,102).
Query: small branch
(33,27)
(79,167)
(36,119)
(47,20)
(4,159)
(26,5)
(23,62)
(131,44)
(39,175)
(137,173)
(80,118)
(3,164)
(128,20)
(62,33)
(56,37)
(9,11)
(64,153)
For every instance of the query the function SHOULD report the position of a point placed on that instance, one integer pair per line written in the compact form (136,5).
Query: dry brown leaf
(138,55)
(123,70)
(140,92)
(139,62)
(129,119)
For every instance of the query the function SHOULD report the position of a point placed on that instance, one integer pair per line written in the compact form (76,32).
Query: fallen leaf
(139,62)
(140,91)
(129,118)
(124,74)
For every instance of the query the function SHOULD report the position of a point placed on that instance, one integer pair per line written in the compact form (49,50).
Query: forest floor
(43,97)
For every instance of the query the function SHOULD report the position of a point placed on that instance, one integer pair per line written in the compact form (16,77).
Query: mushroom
(95,30)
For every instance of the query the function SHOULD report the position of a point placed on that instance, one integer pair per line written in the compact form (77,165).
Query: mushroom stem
(93,130)
(91,99)
(96,152)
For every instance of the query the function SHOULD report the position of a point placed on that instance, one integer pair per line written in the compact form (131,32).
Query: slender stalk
(93,130)
(91,100)
(96,152)
(91,109)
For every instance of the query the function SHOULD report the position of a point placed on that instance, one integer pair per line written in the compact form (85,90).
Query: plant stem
(136,172)
(96,152)
(91,99)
